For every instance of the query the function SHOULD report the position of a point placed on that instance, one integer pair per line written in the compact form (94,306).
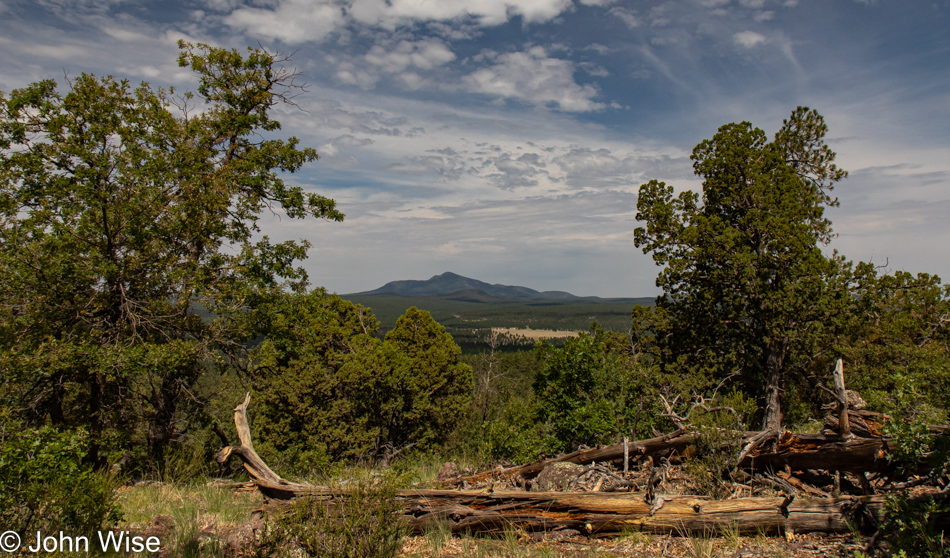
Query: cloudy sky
(506,140)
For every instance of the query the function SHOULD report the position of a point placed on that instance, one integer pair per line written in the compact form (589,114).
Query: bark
(773,388)
(161,427)
(96,421)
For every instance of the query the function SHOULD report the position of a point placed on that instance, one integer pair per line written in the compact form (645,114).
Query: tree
(746,285)
(438,387)
(121,212)
(330,389)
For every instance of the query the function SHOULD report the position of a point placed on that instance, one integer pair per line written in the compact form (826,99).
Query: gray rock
(556,477)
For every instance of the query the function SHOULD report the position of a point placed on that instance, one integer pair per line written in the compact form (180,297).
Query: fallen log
(592,513)
(797,451)
(253,464)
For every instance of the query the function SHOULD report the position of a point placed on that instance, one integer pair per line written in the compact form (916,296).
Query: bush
(45,486)
(360,520)
(910,527)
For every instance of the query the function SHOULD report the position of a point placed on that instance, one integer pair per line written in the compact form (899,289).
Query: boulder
(557,477)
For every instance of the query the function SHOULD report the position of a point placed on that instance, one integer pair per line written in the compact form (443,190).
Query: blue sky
(506,140)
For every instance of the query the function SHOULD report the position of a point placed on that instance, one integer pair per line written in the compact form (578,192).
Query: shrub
(360,520)
(45,486)
(909,527)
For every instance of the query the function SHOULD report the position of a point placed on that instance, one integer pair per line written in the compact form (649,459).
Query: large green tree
(329,388)
(746,286)
(124,209)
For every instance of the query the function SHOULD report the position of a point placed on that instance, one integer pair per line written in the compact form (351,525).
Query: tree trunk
(96,421)
(161,427)
(773,387)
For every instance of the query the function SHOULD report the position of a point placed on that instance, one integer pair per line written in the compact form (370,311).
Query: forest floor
(636,545)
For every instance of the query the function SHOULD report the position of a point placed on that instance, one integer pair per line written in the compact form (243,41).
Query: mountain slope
(449,283)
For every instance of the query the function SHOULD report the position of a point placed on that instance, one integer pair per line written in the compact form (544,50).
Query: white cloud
(533,77)
(349,74)
(425,55)
(749,39)
(392,13)
(124,35)
(625,15)
(402,59)
(292,21)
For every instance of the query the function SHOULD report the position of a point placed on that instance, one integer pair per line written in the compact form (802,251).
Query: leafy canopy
(745,282)
(121,209)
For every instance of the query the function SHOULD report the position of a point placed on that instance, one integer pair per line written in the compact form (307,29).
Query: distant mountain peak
(449,283)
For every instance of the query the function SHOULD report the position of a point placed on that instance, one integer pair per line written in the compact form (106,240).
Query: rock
(161,526)
(448,471)
(556,477)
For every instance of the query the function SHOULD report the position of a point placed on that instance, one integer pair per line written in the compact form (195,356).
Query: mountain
(451,284)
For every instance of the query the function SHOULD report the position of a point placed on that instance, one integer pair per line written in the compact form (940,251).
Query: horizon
(507,139)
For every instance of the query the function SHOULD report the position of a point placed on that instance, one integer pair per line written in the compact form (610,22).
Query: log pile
(785,483)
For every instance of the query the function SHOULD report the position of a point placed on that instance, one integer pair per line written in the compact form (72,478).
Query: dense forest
(139,302)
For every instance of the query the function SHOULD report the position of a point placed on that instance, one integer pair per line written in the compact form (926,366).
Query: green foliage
(121,210)
(45,486)
(437,388)
(502,424)
(746,286)
(590,390)
(909,527)
(894,341)
(330,389)
(363,520)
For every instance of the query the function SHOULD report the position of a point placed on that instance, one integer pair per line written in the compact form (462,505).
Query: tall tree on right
(747,289)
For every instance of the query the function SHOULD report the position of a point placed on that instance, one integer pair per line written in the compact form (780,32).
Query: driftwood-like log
(276,487)
(593,513)
(844,427)
(602,513)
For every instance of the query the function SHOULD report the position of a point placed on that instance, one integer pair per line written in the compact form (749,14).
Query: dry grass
(535,334)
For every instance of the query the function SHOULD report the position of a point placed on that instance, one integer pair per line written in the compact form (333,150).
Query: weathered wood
(819,451)
(666,444)
(253,464)
(604,513)
(844,428)
(798,451)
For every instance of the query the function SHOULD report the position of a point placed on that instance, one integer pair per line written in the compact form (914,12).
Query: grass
(186,502)
(193,508)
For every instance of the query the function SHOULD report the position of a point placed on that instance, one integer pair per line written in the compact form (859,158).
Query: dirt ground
(637,545)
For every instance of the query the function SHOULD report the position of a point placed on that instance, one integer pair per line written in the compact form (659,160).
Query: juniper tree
(122,209)
(746,285)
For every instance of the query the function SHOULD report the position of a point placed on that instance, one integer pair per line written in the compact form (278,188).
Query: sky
(506,140)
